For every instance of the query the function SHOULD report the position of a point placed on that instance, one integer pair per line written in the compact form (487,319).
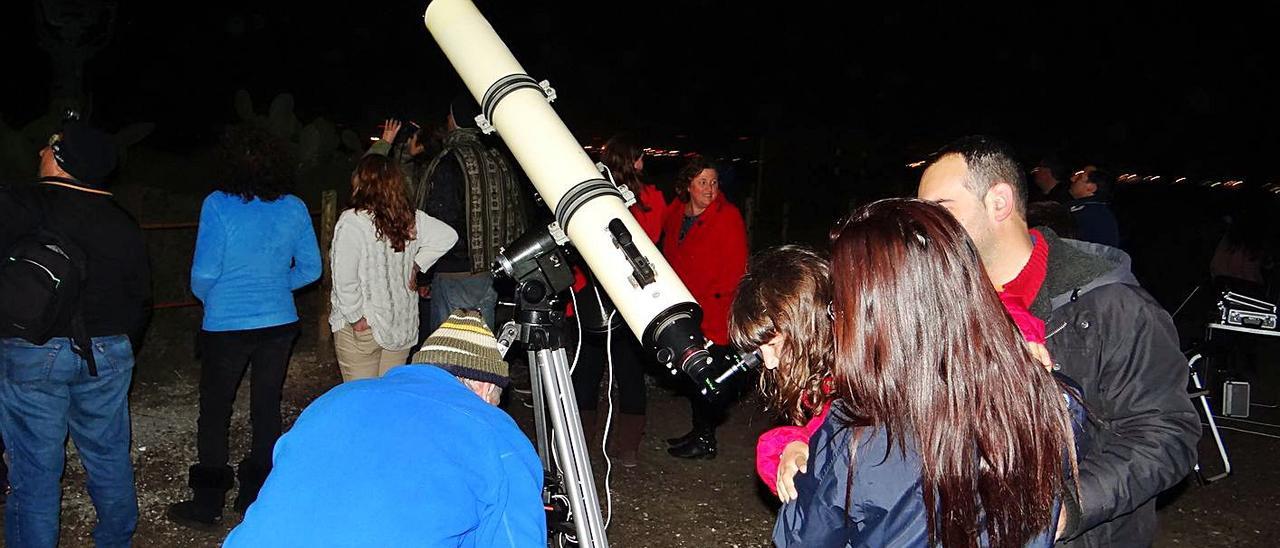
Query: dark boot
(210,485)
(681,440)
(626,441)
(702,446)
(589,417)
(251,477)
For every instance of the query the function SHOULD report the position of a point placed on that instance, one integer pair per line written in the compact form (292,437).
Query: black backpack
(41,278)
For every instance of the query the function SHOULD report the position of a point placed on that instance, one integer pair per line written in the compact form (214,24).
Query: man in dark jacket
(1103,330)
(474,188)
(1050,183)
(1091,208)
(50,389)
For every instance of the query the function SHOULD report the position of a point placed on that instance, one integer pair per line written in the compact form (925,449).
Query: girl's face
(770,352)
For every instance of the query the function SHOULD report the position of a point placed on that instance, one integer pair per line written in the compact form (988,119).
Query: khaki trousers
(360,357)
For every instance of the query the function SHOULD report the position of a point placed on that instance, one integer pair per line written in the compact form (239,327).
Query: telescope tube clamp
(501,89)
(579,195)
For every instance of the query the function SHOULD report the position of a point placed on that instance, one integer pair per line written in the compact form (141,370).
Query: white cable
(608,418)
(1221,427)
(1259,423)
(577,316)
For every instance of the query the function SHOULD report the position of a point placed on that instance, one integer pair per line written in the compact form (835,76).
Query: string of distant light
(1134,178)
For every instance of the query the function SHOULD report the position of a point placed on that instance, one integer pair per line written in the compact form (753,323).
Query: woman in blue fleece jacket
(255,246)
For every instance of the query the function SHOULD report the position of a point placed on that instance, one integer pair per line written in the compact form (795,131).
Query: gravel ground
(664,502)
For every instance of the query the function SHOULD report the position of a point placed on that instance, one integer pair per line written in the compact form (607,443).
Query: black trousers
(628,369)
(708,414)
(224,357)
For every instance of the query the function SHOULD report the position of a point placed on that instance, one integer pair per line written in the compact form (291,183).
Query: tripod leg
(570,447)
(536,374)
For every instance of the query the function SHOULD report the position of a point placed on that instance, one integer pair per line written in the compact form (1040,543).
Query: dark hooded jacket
(1109,335)
(884,505)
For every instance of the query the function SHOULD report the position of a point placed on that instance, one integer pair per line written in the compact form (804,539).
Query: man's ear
(1000,201)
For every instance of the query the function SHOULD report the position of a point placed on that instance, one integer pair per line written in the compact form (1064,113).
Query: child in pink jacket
(781,309)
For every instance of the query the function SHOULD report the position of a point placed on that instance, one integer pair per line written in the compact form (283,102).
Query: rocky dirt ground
(664,502)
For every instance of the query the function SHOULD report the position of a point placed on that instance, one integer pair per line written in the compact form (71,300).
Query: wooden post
(324,335)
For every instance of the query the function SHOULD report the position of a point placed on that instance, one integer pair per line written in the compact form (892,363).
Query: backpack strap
(81,342)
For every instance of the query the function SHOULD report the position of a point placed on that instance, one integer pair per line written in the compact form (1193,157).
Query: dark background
(1138,86)
(821,104)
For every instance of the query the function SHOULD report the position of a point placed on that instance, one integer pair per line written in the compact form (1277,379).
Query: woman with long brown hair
(379,245)
(625,160)
(945,430)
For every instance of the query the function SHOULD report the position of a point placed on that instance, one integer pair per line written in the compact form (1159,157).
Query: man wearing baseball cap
(53,389)
(419,457)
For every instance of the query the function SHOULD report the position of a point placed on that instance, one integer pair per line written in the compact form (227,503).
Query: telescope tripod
(561,443)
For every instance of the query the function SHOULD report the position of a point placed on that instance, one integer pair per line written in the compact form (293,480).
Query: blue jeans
(451,291)
(47,392)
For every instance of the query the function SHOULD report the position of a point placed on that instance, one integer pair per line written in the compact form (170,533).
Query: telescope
(591,214)
(590,210)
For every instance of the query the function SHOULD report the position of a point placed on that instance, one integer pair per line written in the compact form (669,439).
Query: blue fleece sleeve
(211,240)
(517,517)
(306,253)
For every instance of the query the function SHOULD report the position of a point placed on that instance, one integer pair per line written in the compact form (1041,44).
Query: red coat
(710,260)
(651,221)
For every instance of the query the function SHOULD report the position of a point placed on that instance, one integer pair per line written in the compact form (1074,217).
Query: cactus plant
(280,117)
(311,142)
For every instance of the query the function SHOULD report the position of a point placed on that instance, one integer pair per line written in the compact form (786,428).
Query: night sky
(1139,86)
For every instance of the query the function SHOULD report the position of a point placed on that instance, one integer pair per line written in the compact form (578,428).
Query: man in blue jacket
(419,457)
(1091,208)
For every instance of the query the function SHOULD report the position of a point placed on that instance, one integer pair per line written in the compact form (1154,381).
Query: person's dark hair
(256,164)
(1055,168)
(464,110)
(1105,183)
(1051,214)
(785,292)
(1247,227)
(691,169)
(377,186)
(988,161)
(924,349)
(620,155)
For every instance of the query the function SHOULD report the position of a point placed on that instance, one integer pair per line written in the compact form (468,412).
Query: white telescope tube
(659,310)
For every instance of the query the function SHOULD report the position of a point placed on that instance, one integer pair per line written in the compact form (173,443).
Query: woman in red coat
(705,242)
(625,161)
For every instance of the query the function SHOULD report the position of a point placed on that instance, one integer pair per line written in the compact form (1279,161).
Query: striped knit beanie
(464,346)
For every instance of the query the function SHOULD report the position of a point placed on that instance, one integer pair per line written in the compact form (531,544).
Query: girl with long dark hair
(780,310)
(946,429)
(379,245)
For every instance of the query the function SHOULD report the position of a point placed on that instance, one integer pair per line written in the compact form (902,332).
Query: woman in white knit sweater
(379,245)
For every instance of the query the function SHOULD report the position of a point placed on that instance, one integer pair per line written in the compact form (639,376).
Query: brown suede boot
(625,441)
